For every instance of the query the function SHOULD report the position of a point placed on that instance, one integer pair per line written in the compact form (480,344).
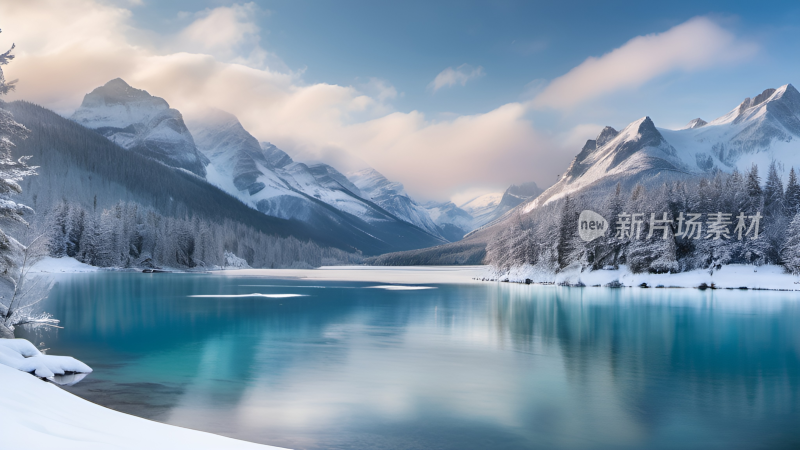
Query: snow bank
(22,355)
(394,287)
(375,274)
(40,415)
(732,276)
(61,265)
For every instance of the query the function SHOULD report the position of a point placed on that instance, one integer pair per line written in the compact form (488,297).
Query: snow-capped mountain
(258,174)
(392,197)
(453,221)
(695,123)
(760,130)
(138,121)
(268,179)
(487,208)
(512,197)
(482,207)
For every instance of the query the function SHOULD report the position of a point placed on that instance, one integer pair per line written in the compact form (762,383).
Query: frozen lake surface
(300,360)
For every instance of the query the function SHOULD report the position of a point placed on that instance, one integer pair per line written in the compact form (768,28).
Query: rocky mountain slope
(260,175)
(453,221)
(391,196)
(136,120)
(269,180)
(759,130)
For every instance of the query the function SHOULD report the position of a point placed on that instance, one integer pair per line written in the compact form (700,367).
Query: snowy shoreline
(42,414)
(733,276)
(38,414)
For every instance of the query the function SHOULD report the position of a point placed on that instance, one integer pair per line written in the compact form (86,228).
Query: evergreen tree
(11,170)
(90,241)
(754,193)
(773,192)
(792,196)
(790,251)
(566,232)
(19,294)
(616,203)
(5,58)
(77,218)
(735,193)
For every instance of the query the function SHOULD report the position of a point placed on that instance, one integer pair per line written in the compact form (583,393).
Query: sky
(452,99)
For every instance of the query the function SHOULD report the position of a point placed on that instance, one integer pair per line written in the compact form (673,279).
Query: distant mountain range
(363,209)
(760,130)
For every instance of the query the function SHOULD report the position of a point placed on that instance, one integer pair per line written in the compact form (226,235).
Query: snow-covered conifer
(754,192)
(790,251)
(566,237)
(20,294)
(792,196)
(11,170)
(773,192)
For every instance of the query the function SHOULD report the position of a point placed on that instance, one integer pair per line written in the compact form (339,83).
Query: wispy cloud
(228,33)
(460,75)
(92,41)
(694,45)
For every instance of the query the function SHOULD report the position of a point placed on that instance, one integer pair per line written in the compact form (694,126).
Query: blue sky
(322,79)
(516,42)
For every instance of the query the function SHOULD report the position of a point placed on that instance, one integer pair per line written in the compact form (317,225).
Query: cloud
(691,46)
(68,48)
(229,33)
(460,75)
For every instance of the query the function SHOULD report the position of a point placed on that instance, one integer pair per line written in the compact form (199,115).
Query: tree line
(131,235)
(547,239)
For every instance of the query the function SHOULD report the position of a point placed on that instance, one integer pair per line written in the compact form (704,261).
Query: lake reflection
(475,366)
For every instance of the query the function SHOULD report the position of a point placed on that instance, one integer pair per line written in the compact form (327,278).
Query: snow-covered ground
(40,415)
(375,274)
(729,277)
(20,354)
(61,265)
(733,276)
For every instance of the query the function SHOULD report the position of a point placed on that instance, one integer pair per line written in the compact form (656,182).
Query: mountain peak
(529,189)
(136,120)
(757,100)
(117,83)
(788,93)
(642,128)
(645,130)
(695,123)
(117,91)
(607,134)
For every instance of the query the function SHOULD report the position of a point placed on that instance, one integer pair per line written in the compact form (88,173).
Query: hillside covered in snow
(711,194)
(759,130)
(138,121)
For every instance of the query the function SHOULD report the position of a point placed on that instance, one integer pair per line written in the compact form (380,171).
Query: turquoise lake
(471,366)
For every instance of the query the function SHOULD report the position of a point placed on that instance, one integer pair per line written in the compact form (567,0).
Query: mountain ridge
(138,121)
